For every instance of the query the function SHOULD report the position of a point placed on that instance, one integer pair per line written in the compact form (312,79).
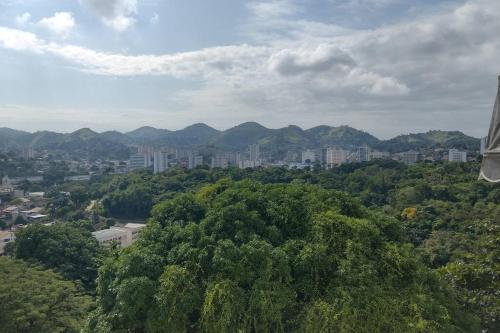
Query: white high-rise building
(219,161)
(160,161)
(379,155)
(194,160)
(336,156)
(249,164)
(198,160)
(363,154)
(308,156)
(483,144)
(254,151)
(455,155)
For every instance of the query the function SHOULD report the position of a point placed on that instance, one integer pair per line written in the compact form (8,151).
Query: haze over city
(383,66)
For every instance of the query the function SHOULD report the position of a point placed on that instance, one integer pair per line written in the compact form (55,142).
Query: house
(36,194)
(123,236)
(11,212)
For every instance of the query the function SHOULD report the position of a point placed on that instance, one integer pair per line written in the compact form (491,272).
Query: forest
(365,247)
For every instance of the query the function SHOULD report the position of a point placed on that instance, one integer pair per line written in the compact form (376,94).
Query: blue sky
(384,66)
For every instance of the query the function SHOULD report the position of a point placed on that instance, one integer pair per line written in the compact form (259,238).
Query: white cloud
(154,19)
(116,14)
(273,9)
(317,60)
(23,19)
(421,68)
(61,23)
(20,40)
(364,3)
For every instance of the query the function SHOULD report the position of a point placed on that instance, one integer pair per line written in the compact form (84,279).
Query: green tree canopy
(69,250)
(248,257)
(33,300)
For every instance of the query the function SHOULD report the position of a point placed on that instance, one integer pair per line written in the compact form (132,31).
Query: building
(308,157)
(249,164)
(363,154)
(134,229)
(410,157)
(28,153)
(379,155)
(194,160)
(6,181)
(5,238)
(160,161)
(123,236)
(219,161)
(454,155)
(36,194)
(79,178)
(322,154)
(254,152)
(336,156)
(11,212)
(483,144)
(137,162)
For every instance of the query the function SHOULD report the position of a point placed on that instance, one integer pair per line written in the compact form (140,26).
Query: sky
(388,67)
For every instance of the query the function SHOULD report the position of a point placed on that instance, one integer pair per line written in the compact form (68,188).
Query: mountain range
(276,142)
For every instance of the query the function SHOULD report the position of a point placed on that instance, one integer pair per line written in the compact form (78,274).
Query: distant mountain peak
(84,131)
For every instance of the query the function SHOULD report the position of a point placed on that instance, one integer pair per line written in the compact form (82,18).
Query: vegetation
(68,249)
(114,145)
(33,300)
(242,256)
(399,249)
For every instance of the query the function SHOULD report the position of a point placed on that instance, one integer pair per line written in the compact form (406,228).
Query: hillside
(430,140)
(276,142)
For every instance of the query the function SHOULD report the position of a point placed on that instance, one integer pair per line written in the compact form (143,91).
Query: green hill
(431,140)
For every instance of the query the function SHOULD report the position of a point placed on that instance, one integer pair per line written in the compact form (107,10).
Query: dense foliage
(33,300)
(68,249)
(276,249)
(443,210)
(242,256)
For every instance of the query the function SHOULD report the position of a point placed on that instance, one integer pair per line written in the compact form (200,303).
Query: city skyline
(123,64)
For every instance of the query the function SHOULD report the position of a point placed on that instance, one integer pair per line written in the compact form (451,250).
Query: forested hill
(86,142)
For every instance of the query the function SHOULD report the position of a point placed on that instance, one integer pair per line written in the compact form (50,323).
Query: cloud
(20,41)
(23,19)
(319,59)
(273,9)
(61,23)
(364,3)
(116,14)
(154,19)
(434,66)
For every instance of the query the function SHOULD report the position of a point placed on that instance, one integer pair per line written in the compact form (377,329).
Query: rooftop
(134,225)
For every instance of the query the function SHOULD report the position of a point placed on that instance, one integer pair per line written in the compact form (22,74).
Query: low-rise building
(454,155)
(123,236)
(79,178)
(137,162)
(410,157)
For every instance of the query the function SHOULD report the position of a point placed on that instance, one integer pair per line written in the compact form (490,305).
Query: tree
(67,249)
(33,300)
(244,256)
